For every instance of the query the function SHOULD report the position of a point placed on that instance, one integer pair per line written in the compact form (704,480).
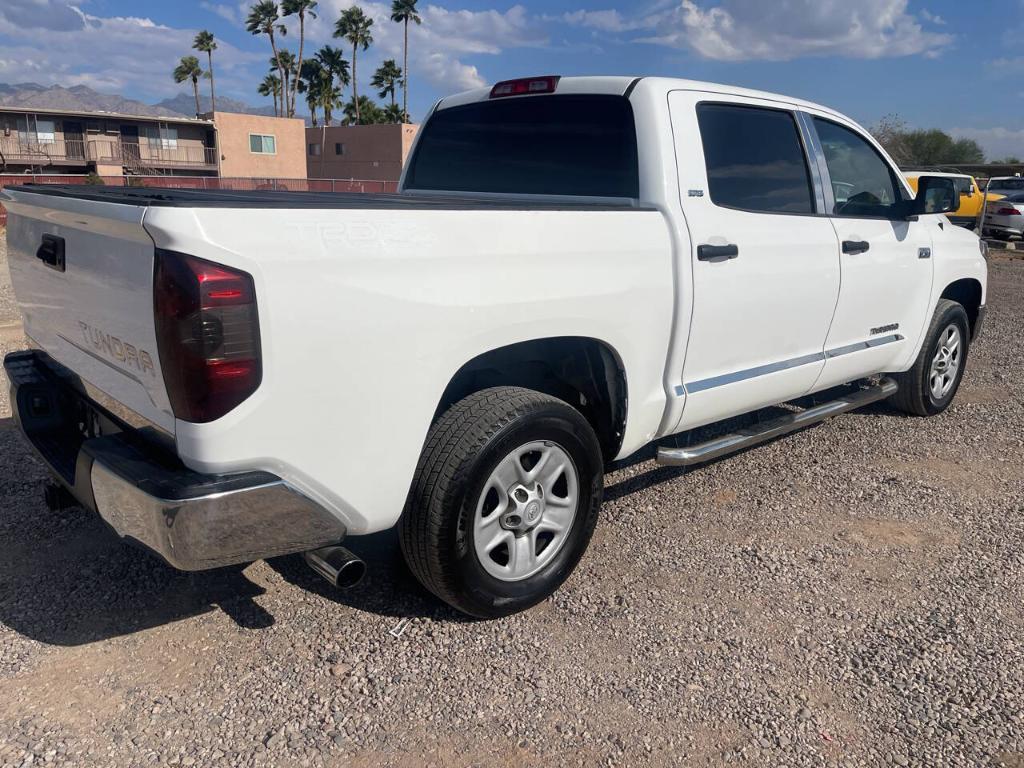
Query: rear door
(886,259)
(94,312)
(765,264)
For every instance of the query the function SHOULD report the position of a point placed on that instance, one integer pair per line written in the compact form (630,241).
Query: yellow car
(971,196)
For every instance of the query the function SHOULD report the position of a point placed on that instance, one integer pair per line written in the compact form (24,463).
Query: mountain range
(81,98)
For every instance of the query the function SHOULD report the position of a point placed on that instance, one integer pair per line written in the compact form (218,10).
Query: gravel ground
(850,595)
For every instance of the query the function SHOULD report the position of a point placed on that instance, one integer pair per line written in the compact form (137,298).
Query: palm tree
(310,82)
(404,11)
(289,73)
(205,43)
(271,86)
(262,20)
(301,8)
(386,79)
(393,113)
(354,26)
(362,112)
(188,69)
(333,60)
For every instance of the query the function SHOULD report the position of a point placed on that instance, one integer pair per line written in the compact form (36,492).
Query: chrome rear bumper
(191,520)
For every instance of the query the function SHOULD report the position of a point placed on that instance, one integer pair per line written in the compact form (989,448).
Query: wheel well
(966,292)
(583,372)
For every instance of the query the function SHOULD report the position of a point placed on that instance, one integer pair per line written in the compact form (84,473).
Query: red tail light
(207,334)
(1008,212)
(527,86)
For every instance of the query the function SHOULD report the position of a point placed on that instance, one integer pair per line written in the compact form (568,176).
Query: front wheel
(929,387)
(504,501)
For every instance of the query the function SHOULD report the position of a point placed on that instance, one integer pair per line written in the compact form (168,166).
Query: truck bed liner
(203,198)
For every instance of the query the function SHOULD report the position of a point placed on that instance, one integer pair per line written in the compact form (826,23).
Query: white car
(1005,218)
(573,269)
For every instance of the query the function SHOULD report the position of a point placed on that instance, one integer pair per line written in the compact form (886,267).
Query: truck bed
(209,198)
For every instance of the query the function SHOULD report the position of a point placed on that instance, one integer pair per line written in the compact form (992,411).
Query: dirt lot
(851,595)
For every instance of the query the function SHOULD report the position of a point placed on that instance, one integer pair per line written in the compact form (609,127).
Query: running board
(759,433)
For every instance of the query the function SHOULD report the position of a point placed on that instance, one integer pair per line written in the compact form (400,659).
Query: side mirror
(935,194)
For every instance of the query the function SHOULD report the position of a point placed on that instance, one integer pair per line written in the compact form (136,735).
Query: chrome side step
(759,433)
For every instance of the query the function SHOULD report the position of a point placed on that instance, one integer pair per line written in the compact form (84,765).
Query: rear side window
(535,145)
(755,159)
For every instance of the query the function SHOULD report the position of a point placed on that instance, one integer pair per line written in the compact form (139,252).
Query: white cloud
(781,30)
(437,46)
(932,18)
(232,13)
(115,54)
(998,142)
(603,21)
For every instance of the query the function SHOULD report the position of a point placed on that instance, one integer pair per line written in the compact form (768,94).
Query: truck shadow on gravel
(66,579)
(389,588)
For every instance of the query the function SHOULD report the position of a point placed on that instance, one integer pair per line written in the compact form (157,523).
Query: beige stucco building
(369,152)
(219,144)
(260,146)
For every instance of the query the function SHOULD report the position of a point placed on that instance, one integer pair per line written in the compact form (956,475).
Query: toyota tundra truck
(572,269)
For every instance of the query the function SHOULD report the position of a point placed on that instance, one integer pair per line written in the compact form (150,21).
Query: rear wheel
(504,501)
(929,387)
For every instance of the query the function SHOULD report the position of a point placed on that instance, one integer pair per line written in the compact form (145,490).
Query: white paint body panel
(96,318)
(366,315)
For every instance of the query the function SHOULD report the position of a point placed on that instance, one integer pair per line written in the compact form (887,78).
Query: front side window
(755,159)
(314,149)
(262,144)
(864,184)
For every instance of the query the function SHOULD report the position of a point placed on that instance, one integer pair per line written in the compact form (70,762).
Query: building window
(35,131)
(262,144)
(314,149)
(339,148)
(160,136)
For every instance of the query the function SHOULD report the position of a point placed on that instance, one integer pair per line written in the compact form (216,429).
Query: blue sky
(955,65)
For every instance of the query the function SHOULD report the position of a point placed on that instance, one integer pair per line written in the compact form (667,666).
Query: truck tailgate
(92,309)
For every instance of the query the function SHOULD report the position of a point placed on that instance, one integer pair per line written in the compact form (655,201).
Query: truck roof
(618,85)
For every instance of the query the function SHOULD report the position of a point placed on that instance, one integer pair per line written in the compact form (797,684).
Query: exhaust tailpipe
(341,568)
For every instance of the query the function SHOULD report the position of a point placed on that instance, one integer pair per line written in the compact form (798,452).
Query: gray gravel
(850,595)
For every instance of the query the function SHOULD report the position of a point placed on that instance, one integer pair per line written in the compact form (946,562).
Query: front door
(765,262)
(886,259)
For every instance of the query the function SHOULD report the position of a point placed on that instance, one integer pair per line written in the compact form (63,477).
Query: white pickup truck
(573,269)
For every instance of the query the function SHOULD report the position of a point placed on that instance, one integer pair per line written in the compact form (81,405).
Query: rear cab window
(755,159)
(575,145)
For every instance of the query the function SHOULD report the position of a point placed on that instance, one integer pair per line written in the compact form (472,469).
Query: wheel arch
(967,292)
(585,372)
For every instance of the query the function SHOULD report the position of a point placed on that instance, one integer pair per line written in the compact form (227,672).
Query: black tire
(915,395)
(461,451)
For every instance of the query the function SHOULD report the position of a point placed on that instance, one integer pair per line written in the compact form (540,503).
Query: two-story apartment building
(225,144)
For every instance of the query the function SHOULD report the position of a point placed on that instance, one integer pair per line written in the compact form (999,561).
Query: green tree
(393,113)
(289,73)
(302,9)
(386,79)
(263,20)
(404,11)
(188,69)
(910,148)
(205,43)
(271,86)
(354,26)
(333,60)
(318,85)
(365,112)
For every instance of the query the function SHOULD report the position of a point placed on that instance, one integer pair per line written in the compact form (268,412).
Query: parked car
(574,268)
(1005,218)
(971,197)
(1005,185)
